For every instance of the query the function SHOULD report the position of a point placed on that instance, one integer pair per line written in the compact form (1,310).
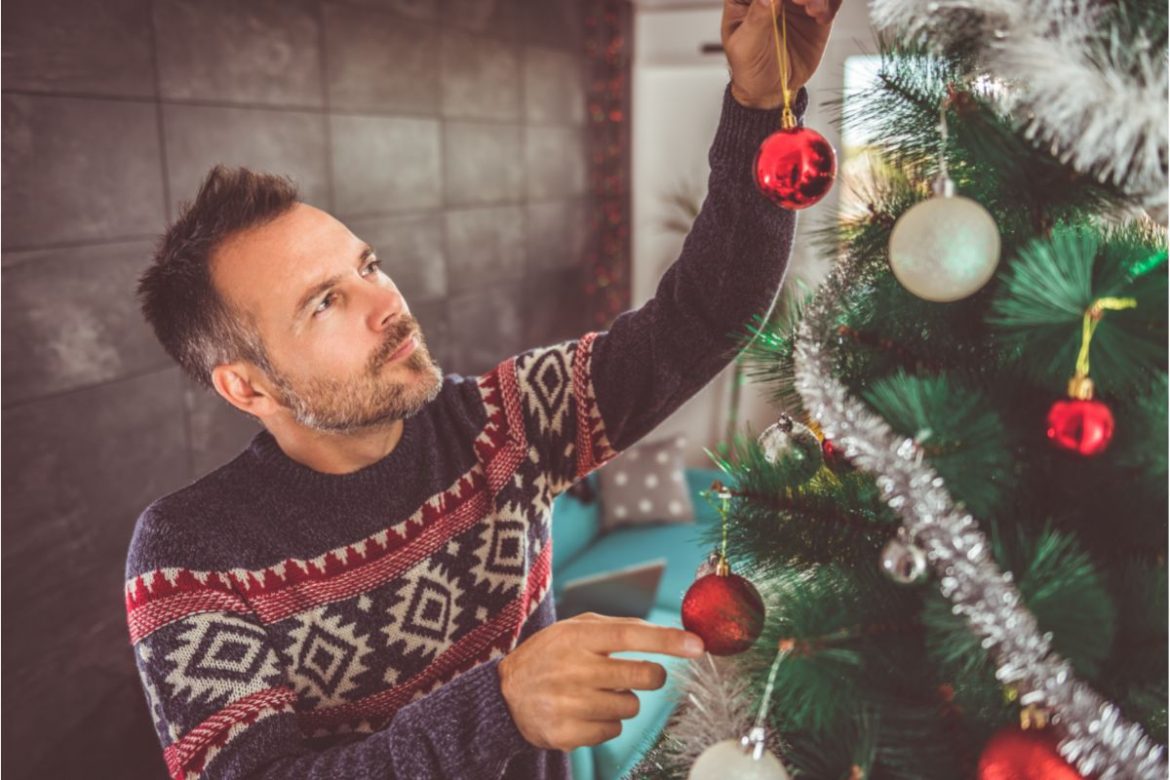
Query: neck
(337,453)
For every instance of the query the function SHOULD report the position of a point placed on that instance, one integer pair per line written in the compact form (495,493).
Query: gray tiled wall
(449,133)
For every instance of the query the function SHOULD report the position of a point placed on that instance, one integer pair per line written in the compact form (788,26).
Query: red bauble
(726,611)
(1084,427)
(834,457)
(1015,754)
(795,168)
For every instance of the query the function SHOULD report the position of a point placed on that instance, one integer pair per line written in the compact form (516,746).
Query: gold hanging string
(1089,324)
(780,38)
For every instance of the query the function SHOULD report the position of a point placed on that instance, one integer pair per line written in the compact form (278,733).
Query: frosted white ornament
(732,760)
(945,248)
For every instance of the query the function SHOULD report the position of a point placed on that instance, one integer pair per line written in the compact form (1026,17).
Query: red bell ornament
(795,167)
(725,610)
(1017,754)
(1081,424)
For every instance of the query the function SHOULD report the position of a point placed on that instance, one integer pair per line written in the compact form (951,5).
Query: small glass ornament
(745,759)
(725,610)
(795,444)
(795,167)
(945,248)
(903,561)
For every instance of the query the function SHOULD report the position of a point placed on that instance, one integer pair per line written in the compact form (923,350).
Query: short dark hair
(194,323)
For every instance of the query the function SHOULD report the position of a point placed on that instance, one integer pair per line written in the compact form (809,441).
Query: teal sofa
(580,549)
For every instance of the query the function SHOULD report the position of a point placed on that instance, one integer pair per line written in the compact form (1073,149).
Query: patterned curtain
(608,57)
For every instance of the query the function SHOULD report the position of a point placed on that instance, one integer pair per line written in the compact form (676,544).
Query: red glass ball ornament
(1016,754)
(795,168)
(726,611)
(834,457)
(1081,426)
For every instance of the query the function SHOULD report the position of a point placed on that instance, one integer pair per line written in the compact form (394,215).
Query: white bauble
(727,760)
(944,248)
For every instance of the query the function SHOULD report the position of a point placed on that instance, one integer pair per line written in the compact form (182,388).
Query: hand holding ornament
(748,44)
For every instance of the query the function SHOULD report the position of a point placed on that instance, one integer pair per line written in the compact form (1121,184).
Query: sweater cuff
(741,129)
(482,686)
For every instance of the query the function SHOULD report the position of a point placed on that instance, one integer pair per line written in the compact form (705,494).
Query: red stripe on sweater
(423,539)
(189,753)
(152,616)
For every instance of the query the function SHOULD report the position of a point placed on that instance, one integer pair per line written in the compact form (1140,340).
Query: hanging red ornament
(1081,426)
(795,167)
(725,610)
(1017,754)
(834,457)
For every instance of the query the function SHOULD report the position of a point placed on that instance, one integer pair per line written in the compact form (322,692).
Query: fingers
(606,706)
(616,635)
(619,674)
(821,10)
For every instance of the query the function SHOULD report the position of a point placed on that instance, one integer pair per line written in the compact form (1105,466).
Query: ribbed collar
(287,475)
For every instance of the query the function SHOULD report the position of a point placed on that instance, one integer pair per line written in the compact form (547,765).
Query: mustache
(406,326)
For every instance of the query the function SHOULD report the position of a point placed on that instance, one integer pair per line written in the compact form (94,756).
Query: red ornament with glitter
(1081,426)
(725,610)
(795,167)
(1017,754)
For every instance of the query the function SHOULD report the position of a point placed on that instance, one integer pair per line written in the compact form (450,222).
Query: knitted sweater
(288,623)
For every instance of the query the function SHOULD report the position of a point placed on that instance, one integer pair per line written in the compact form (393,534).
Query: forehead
(264,271)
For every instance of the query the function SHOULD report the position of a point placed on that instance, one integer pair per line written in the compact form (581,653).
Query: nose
(385,306)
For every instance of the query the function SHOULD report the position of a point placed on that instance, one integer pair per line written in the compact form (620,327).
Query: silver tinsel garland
(1099,741)
(1096,96)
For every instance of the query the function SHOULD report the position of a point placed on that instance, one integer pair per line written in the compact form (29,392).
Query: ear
(241,385)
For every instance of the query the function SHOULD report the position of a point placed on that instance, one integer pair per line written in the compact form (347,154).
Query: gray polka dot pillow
(646,484)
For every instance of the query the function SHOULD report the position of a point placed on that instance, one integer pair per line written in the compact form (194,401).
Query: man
(363,592)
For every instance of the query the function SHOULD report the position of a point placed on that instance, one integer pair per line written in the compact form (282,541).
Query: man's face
(331,321)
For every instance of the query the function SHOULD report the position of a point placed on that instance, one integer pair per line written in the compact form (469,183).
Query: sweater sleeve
(585,400)
(223,706)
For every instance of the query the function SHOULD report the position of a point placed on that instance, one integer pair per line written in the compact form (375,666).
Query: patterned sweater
(288,623)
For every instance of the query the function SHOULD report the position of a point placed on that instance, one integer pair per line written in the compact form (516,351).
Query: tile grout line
(322,43)
(166,182)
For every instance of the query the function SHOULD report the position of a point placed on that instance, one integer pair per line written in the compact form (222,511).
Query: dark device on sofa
(628,592)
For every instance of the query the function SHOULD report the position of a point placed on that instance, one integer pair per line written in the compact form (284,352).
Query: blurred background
(526,169)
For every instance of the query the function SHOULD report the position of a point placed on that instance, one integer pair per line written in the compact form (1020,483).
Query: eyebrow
(325,284)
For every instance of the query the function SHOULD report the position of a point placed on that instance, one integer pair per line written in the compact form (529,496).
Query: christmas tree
(958,526)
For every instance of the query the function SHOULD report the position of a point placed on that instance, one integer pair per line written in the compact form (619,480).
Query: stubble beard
(372,400)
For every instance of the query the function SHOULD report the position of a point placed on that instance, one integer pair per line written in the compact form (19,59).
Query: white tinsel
(1099,101)
(1098,740)
(716,703)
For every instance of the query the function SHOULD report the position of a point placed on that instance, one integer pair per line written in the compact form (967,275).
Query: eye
(373,266)
(323,305)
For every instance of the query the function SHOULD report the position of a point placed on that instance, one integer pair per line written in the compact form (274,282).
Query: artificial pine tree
(973,583)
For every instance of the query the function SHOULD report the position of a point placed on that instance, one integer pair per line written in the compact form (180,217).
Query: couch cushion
(646,484)
(574,527)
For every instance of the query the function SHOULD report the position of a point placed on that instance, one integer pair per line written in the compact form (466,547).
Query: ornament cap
(944,187)
(723,568)
(1081,388)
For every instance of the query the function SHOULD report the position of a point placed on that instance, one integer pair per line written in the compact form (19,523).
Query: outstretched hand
(564,691)
(751,51)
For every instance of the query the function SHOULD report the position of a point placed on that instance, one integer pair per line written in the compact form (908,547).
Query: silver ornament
(945,248)
(903,561)
(795,444)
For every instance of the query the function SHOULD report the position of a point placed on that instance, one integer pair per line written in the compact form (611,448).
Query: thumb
(756,29)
